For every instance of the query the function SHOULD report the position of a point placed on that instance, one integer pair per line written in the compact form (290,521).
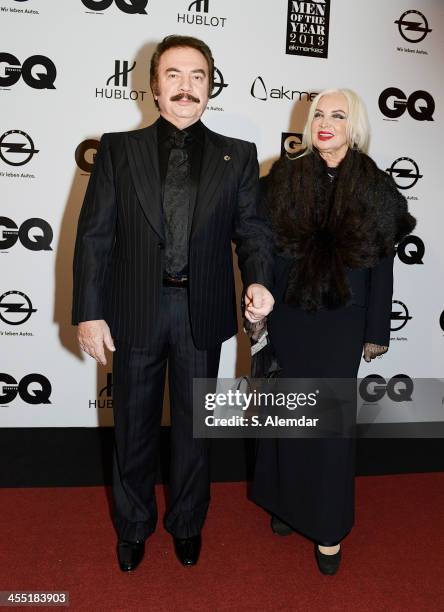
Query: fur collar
(328,227)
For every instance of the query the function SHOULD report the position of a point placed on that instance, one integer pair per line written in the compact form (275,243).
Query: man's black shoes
(188,549)
(130,554)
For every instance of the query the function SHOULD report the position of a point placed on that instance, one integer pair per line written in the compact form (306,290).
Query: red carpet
(62,539)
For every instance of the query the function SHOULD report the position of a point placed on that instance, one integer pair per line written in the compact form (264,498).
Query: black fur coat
(326,227)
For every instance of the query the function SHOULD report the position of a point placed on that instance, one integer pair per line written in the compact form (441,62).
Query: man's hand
(93,336)
(258,302)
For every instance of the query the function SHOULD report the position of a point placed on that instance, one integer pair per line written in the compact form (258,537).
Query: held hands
(256,330)
(258,302)
(93,336)
(373,350)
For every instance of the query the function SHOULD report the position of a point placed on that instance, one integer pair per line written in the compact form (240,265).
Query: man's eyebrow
(198,70)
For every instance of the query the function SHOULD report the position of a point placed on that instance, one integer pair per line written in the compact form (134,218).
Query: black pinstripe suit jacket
(119,253)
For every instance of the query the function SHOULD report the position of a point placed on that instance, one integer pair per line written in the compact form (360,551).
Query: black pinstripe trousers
(138,385)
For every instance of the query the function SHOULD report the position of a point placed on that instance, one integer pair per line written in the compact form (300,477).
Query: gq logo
(291,143)
(85,154)
(393,102)
(9,389)
(131,7)
(411,250)
(10,233)
(399,388)
(38,71)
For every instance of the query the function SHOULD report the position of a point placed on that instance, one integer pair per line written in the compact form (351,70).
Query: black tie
(176,204)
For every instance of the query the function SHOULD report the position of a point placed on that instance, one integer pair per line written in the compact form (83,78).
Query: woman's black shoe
(328,564)
(279,527)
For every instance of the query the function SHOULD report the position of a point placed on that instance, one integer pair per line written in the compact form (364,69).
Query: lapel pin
(227,158)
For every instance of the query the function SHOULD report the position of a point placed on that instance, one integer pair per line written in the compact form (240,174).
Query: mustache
(188,96)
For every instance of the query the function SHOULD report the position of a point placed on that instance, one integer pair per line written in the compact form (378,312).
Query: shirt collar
(166,129)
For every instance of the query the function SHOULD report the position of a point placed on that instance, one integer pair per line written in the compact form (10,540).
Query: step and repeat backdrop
(71,70)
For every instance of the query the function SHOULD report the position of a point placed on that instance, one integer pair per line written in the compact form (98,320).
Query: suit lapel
(143,160)
(214,164)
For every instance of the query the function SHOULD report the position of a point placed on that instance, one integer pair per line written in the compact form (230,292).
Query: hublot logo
(197,14)
(117,84)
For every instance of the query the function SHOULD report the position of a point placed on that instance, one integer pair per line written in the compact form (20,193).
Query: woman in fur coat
(336,219)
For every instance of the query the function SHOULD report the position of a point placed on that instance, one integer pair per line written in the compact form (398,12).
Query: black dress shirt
(194,149)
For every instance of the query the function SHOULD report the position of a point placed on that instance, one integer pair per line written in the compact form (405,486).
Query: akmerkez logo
(131,7)
(405,172)
(117,84)
(413,26)
(25,389)
(307,28)
(393,102)
(400,315)
(197,14)
(411,250)
(260,91)
(291,143)
(15,308)
(31,239)
(85,154)
(16,148)
(219,83)
(38,71)
(374,387)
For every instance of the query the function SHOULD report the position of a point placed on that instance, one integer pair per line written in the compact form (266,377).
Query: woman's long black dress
(309,483)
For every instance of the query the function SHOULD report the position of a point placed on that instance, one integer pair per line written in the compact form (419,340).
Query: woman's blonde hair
(358,128)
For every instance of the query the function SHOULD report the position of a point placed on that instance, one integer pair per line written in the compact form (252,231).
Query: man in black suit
(153,273)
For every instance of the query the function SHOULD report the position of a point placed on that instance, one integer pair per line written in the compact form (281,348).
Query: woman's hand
(255,330)
(373,350)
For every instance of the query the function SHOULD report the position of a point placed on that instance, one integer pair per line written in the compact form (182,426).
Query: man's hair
(174,41)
